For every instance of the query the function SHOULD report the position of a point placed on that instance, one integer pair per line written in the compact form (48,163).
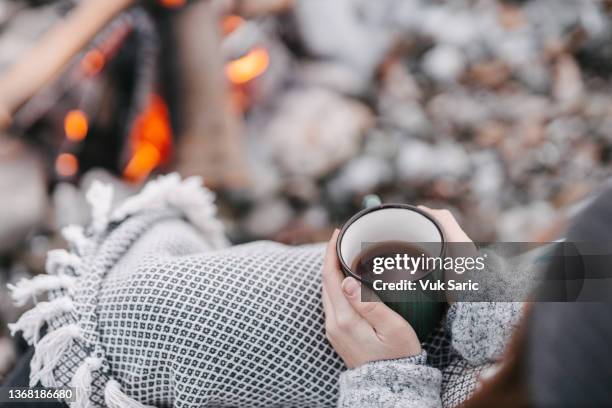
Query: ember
(75,125)
(93,62)
(172,3)
(66,165)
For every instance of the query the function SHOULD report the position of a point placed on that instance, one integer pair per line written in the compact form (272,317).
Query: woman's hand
(450,226)
(361,332)
(459,245)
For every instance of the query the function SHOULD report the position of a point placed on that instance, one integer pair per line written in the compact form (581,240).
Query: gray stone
(268,217)
(361,175)
(422,161)
(444,63)
(314,131)
(24,196)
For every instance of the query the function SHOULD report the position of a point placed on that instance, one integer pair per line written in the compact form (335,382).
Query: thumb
(378,315)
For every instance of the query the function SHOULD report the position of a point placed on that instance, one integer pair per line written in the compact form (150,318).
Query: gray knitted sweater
(464,350)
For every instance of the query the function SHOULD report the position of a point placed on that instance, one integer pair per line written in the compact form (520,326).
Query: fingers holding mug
(452,231)
(459,243)
(335,303)
(385,322)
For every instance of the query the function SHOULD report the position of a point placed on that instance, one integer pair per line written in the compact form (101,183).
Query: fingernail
(350,286)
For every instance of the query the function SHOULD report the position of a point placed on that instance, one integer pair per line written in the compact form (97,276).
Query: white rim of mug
(347,270)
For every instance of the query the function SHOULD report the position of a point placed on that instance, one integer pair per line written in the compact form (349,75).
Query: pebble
(519,224)
(8,355)
(444,63)
(422,161)
(315,131)
(268,217)
(362,175)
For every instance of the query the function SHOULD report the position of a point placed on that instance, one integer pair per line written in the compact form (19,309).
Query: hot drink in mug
(390,238)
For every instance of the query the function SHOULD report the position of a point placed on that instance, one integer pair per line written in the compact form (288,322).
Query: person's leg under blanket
(151,308)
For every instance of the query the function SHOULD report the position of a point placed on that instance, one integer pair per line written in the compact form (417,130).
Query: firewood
(210,143)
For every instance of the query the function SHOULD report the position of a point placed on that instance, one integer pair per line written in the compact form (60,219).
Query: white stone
(268,217)
(488,176)
(316,217)
(422,161)
(315,130)
(444,63)
(24,192)
(521,223)
(362,175)
(334,76)
(448,25)
(334,30)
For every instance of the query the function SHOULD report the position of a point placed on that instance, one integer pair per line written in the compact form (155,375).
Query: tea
(391,261)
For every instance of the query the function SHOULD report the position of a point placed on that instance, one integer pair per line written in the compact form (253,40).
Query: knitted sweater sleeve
(481,330)
(403,383)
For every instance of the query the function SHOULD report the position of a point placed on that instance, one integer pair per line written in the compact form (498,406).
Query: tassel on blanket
(75,236)
(82,380)
(188,196)
(27,289)
(198,206)
(115,398)
(48,353)
(60,259)
(32,321)
(100,198)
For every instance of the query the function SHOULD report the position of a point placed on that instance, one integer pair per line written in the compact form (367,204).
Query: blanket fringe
(188,196)
(82,381)
(33,320)
(58,260)
(77,241)
(115,398)
(100,198)
(48,353)
(27,289)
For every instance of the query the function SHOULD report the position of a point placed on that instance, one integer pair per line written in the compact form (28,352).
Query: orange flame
(66,165)
(250,66)
(151,140)
(145,159)
(76,125)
